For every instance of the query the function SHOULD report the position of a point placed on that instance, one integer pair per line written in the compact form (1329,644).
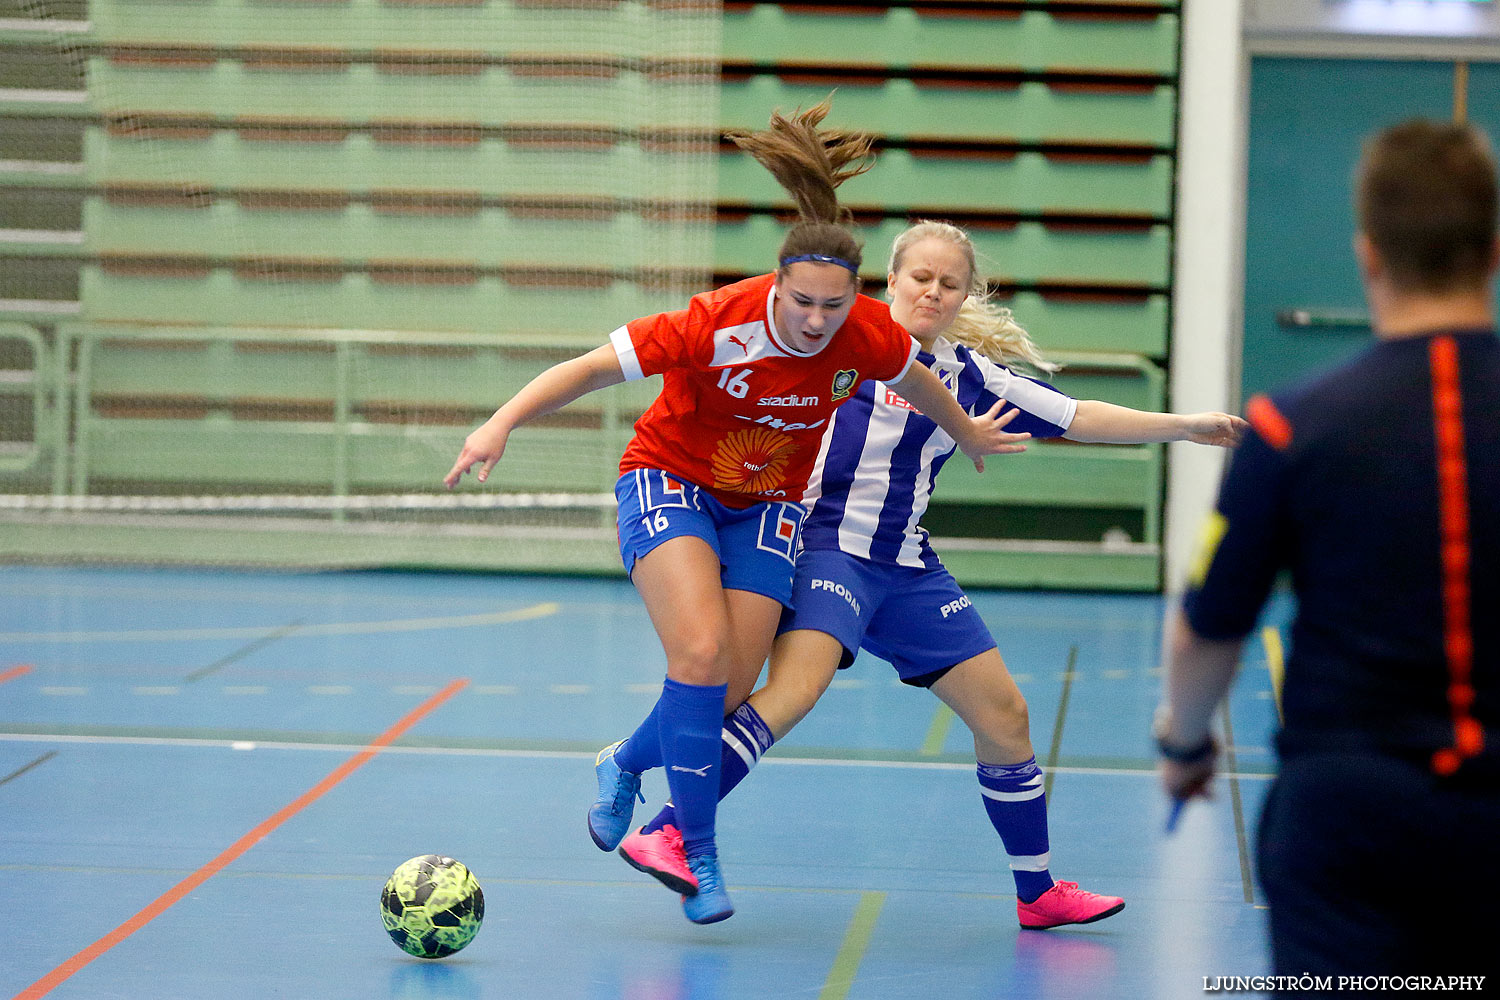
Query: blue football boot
(609,816)
(711,904)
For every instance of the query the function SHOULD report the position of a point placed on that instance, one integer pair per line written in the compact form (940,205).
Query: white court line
(1055,625)
(910,765)
(238,592)
(234,690)
(258,631)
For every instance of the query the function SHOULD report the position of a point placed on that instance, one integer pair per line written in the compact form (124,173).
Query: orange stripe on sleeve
(1269,422)
(1453,524)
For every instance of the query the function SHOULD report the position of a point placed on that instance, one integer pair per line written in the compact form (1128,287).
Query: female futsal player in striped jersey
(709,487)
(867,576)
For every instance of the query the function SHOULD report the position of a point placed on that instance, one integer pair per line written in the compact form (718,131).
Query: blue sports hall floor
(206,776)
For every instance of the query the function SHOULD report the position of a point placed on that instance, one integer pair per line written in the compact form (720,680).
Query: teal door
(1303,302)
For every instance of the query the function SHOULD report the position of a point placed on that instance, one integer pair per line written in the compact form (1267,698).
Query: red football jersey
(741,414)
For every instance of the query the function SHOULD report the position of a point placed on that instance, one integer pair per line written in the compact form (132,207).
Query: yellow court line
(852,951)
(257,631)
(937,733)
(1270,637)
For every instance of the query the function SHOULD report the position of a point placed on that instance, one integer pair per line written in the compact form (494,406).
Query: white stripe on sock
(745,754)
(1030,862)
(1027,795)
(746,733)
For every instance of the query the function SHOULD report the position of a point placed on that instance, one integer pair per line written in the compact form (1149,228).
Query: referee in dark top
(1377,487)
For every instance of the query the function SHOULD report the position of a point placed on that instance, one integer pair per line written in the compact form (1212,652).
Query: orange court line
(14,672)
(160,905)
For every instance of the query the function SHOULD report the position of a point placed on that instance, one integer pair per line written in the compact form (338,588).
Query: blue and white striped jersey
(879,457)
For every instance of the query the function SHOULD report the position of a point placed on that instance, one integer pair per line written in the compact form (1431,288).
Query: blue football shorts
(916,618)
(756,546)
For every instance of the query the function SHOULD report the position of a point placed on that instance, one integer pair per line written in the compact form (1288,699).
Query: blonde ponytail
(991,329)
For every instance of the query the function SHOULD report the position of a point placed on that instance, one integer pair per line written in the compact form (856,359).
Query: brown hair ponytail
(810,163)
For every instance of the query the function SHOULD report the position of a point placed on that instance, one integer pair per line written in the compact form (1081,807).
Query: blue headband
(821,258)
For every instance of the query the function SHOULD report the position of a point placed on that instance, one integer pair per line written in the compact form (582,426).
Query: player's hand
(485,445)
(1184,782)
(990,436)
(1221,429)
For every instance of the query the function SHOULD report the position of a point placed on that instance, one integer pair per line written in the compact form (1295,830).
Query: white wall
(1218,37)
(1206,326)
(1393,28)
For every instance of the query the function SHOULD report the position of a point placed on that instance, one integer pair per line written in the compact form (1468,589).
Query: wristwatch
(1176,752)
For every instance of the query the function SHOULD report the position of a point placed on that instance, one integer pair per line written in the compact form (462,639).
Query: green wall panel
(1030,111)
(905,36)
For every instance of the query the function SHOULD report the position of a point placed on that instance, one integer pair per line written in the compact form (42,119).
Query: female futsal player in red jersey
(709,491)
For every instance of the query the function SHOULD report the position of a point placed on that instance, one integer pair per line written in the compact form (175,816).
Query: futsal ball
(431,906)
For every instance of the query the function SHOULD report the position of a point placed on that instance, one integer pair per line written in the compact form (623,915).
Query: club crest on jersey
(843,382)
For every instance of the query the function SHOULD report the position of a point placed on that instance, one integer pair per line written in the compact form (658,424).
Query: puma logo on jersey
(701,772)
(741,344)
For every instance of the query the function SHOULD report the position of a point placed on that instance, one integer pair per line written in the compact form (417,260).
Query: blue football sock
(642,751)
(744,738)
(1015,799)
(690,716)
(742,741)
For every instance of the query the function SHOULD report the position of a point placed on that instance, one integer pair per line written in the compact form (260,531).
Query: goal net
(278,261)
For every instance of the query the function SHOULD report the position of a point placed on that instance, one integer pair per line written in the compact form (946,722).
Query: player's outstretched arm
(1098,422)
(551,390)
(976,436)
